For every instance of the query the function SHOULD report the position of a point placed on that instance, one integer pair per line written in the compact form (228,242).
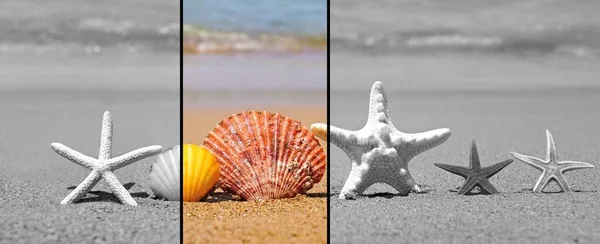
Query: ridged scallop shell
(200,172)
(164,175)
(266,155)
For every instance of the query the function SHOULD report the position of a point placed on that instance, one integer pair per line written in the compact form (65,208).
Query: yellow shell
(200,172)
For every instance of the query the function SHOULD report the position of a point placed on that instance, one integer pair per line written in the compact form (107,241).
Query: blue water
(307,17)
(488,27)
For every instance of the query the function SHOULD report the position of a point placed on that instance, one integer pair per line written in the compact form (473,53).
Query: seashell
(164,175)
(200,172)
(266,155)
(320,130)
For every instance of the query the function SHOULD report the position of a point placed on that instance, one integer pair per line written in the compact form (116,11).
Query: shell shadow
(317,195)
(219,197)
(103,196)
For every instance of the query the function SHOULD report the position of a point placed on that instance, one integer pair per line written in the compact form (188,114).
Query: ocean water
(255,53)
(464,44)
(90,27)
(487,27)
(213,26)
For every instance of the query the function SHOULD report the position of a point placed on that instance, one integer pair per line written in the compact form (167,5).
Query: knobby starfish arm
(378,108)
(118,189)
(494,169)
(534,162)
(83,188)
(567,166)
(462,171)
(133,156)
(424,141)
(344,139)
(106,137)
(73,156)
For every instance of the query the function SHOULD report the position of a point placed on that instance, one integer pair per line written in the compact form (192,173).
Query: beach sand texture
(220,219)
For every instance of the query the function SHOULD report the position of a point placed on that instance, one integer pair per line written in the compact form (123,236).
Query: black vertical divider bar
(181,121)
(328,119)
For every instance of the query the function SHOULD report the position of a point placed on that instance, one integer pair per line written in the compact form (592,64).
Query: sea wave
(200,40)
(88,35)
(569,42)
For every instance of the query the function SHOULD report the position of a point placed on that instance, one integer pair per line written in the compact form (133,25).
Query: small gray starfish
(104,165)
(379,152)
(475,175)
(551,168)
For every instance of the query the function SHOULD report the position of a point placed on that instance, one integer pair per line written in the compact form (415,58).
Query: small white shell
(164,175)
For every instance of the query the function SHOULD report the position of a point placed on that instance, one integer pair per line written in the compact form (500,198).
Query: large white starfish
(552,168)
(104,165)
(378,151)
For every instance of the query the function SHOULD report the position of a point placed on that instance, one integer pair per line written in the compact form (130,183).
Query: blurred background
(255,52)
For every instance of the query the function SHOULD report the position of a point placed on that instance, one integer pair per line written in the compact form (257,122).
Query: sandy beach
(222,220)
(505,105)
(34,179)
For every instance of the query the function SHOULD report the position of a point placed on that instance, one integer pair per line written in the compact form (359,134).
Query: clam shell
(164,175)
(266,155)
(200,172)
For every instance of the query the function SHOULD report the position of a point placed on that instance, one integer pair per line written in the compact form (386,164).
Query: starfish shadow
(385,195)
(103,196)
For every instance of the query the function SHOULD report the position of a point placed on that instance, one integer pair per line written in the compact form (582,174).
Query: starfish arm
(118,189)
(534,162)
(421,142)
(467,186)
(474,159)
(83,188)
(106,137)
(486,186)
(462,171)
(567,166)
(344,139)
(320,130)
(378,108)
(542,182)
(73,156)
(562,182)
(132,157)
(355,183)
(494,169)
(551,148)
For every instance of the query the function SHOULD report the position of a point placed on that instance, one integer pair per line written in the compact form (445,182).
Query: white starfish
(551,168)
(378,151)
(104,165)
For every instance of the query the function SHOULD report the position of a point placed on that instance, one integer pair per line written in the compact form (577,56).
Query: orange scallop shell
(266,155)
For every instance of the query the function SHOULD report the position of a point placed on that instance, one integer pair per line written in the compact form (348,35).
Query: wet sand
(34,179)
(502,117)
(225,220)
